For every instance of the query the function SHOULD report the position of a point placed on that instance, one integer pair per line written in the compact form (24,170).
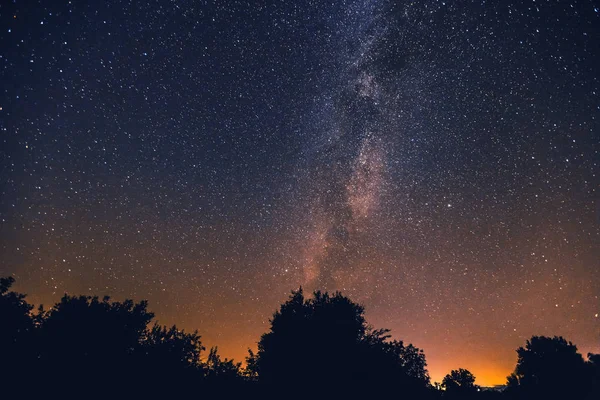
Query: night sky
(435,161)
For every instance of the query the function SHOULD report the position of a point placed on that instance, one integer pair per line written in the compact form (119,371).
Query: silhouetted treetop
(87,347)
(83,326)
(172,347)
(15,312)
(16,331)
(101,346)
(222,370)
(460,383)
(548,367)
(326,340)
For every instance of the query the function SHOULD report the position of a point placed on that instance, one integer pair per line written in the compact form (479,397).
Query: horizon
(486,376)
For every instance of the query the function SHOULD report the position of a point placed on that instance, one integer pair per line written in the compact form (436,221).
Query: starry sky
(436,161)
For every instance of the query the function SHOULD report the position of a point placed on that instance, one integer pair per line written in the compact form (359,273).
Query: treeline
(317,347)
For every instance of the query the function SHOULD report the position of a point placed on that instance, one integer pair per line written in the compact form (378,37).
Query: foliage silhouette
(16,330)
(169,355)
(326,341)
(549,368)
(222,369)
(593,365)
(460,383)
(87,347)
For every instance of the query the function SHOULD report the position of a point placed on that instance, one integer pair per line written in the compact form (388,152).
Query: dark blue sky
(436,161)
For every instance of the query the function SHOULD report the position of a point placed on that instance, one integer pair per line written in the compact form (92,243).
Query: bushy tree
(170,358)
(16,332)
(326,341)
(460,383)
(89,347)
(549,367)
(83,327)
(171,347)
(90,343)
(17,321)
(222,370)
(593,365)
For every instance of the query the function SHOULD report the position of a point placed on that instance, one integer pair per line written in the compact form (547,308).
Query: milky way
(435,161)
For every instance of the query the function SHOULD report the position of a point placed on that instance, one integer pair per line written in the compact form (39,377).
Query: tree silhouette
(327,342)
(16,318)
(549,367)
(16,332)
(81,327)
(84,346)
(460,383)
(87,347)
(171,359)
(593,365)
(83,339)
(222,371)
(224,377)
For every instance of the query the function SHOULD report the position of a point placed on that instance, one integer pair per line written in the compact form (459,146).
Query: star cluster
(435,161)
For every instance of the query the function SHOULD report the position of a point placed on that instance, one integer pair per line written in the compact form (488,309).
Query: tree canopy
(460,383)
(326,340)
(86,346)
(322,345)
(549,366)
